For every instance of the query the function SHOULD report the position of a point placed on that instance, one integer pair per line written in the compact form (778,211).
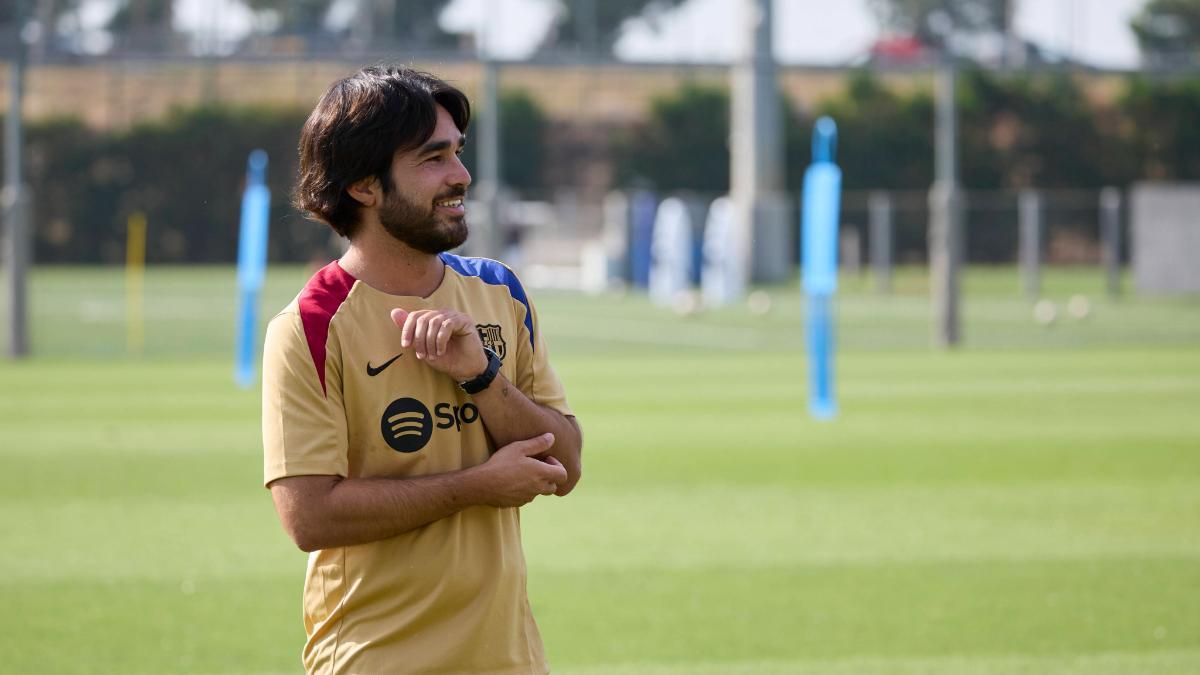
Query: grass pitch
(1029,504)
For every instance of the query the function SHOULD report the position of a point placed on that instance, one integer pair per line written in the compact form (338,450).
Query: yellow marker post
(135,270)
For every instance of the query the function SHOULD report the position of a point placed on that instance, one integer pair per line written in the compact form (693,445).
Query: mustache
(456,192)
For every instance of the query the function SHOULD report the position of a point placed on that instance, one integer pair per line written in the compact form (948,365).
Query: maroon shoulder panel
(319,300)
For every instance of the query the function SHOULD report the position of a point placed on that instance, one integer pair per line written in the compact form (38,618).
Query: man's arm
(447,340)
(508,413)
(330,511)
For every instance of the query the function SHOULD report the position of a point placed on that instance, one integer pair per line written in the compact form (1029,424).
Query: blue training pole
(252,264)
(822,197)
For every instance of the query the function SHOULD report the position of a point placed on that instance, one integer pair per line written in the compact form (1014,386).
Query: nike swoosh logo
(372,372)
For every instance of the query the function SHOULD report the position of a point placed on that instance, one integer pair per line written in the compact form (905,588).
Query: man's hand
(515,475)
(329,511)
(445,339)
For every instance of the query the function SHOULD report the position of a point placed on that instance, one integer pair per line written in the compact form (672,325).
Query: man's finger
(534,446)
(418,333)
(398,317)
(431,335)
(443,337)
(406,331)
(558,474)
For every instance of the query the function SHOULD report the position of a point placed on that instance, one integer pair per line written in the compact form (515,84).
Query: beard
(423,228)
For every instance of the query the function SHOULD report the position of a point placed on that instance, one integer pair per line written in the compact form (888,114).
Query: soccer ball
(686,303)
(1045,312)
(1079,307)
(759,302)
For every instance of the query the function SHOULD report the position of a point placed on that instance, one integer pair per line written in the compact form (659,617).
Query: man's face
(425,207)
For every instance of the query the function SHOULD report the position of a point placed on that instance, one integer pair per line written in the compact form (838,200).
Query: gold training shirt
(340,397)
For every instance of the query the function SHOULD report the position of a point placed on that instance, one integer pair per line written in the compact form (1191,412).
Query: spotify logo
(406,425)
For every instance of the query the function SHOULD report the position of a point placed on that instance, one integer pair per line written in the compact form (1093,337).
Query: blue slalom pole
(822,197)
(252,264)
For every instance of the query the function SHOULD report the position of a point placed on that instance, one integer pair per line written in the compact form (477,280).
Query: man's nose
(460,176)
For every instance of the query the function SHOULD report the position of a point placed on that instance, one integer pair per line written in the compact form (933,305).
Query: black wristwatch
(484,379)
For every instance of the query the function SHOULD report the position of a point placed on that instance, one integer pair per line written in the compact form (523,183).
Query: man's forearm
(509,415)
(331,511)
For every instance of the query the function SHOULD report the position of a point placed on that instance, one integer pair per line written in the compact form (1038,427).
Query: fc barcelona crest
(492,339)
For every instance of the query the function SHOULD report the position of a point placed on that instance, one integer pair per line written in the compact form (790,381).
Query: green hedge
(1015,131)
(186,173)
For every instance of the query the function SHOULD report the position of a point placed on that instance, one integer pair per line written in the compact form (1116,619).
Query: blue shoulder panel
(496,274)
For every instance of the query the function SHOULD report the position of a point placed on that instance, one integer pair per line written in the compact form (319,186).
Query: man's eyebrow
(438,146)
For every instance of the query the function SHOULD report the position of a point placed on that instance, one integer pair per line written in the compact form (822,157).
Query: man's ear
(367,191)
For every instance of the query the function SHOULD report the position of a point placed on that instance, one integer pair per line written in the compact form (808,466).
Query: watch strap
(483,380)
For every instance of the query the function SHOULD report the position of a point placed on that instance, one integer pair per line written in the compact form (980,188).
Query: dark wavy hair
(356,129)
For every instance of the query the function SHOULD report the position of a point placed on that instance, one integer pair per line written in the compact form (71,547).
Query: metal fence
(1069,223)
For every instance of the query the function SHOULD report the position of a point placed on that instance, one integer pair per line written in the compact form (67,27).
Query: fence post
(1029,215)
(850,250)
(879,207)
(15,202)
(945,214)
(945,261)
(1110,238)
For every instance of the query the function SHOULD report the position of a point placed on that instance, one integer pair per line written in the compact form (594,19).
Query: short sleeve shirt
(341,397)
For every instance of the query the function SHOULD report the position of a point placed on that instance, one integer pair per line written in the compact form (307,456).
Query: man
(409,407)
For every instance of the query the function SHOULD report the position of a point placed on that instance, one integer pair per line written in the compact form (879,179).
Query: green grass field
(1027,504)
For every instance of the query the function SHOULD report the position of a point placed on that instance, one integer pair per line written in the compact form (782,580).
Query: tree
(594,25)
(683,146)
(1015,132)
(9,9)
(378,22)
(1168,31)
(933,21)
(1034,131)
(138,14)
(413,22)
(523,128)
(885,139)
(1161,118)
(295,16)
(144,23)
